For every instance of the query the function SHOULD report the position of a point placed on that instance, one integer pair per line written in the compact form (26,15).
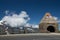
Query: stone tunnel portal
(51,29)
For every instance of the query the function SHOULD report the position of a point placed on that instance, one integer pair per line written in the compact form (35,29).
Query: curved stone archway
(51,28)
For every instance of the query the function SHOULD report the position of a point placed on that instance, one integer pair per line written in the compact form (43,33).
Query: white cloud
(16,20)
(6,12)
(1,22)
(35,26)
(28,25)
(32,25)
(23,14)
(56,18)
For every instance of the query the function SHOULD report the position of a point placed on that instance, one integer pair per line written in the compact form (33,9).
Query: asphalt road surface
(31,37)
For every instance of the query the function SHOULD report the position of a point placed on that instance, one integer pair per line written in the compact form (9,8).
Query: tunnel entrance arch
(51,29)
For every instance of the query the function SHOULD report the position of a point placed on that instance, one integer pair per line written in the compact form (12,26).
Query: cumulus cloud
(16,19)
(56,18)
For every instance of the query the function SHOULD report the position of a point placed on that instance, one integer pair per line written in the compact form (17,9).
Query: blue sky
(34,8)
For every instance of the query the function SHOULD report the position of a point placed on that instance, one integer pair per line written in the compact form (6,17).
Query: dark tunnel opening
(51,29)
